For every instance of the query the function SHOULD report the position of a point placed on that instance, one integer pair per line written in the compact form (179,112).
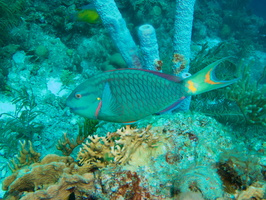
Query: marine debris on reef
(173,159)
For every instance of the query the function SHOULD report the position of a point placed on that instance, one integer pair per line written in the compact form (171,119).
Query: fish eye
(78,96)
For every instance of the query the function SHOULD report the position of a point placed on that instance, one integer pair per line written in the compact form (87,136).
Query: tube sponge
(182,37)
(183,28)
(116,26)
(148,46)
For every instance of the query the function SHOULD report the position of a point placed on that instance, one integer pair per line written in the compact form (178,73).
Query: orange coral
(41,180)
(37,175)
(81,186)
(25,157)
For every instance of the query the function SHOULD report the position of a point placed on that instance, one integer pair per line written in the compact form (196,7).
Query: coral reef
(125,146)
(126,184)
(136,147)
(53,177)
(58,177)
(38,174)
(79,185)
(131,163)
(179,152)
(26,157)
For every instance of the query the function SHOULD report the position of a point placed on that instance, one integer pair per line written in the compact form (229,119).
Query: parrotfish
(87,14)
(128,95)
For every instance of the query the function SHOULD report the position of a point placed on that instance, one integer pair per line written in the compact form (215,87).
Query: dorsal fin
(162,75)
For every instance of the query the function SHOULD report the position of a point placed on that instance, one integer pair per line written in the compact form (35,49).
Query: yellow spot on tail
(191,86)
(98,98)
(208,78)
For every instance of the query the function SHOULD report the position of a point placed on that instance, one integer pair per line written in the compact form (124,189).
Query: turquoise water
(210,147)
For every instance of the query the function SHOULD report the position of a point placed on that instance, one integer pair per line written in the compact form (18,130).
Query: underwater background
(216,149)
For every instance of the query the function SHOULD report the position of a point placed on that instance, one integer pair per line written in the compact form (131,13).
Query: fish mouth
(71,109)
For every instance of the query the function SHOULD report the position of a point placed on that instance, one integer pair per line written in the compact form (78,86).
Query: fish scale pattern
(137,93)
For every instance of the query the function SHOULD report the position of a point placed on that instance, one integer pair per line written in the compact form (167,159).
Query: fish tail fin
(205,80)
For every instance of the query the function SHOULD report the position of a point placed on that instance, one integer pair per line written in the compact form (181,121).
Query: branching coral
(135,144)
(97,152)
(124,146)
(25,157)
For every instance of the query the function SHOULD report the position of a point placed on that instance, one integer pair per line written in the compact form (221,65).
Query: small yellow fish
(87,14)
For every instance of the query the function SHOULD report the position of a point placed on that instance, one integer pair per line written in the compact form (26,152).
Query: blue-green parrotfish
(128,95)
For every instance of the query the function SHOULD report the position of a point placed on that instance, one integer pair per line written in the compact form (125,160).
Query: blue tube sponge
(182,40)
(149,47)
(183,29)
(116,26)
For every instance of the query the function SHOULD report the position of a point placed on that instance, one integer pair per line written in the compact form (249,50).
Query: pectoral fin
(109,105)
